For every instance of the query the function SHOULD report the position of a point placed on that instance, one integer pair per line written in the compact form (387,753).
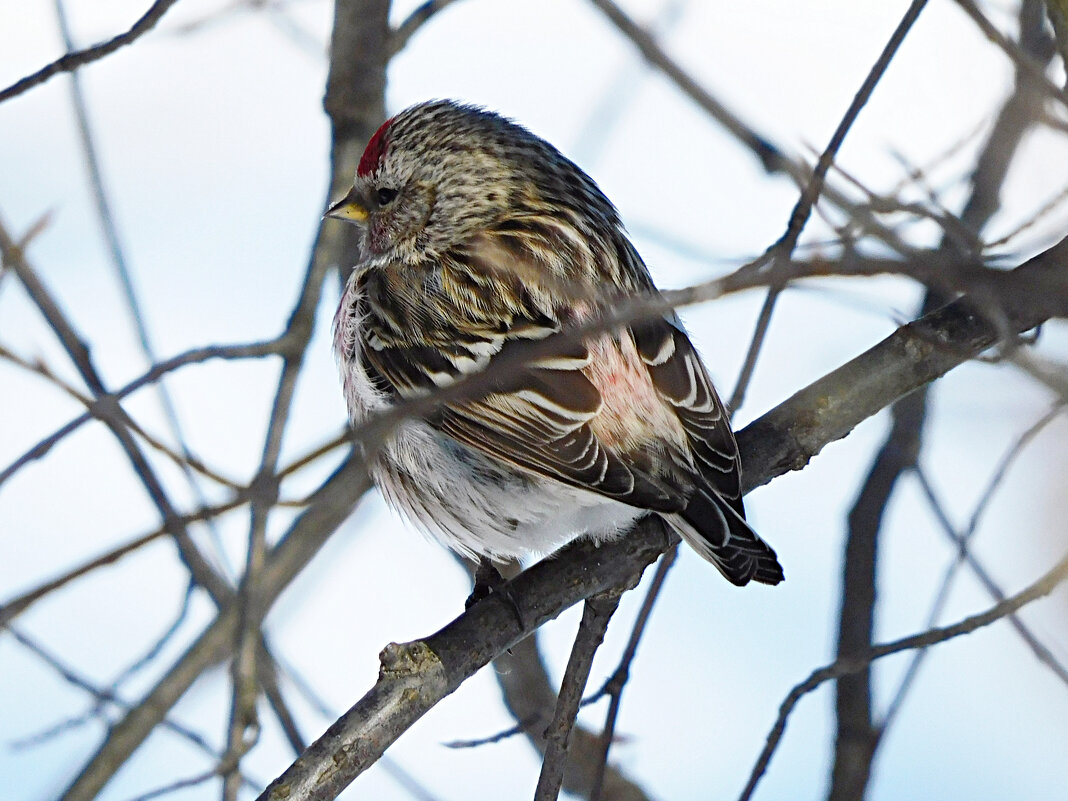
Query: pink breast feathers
(632,409)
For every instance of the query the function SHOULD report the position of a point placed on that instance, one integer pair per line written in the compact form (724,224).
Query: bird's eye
(385,196)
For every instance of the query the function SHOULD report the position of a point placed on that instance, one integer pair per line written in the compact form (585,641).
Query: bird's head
(440,172)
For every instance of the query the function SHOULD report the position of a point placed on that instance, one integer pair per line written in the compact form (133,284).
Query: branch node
(404,660)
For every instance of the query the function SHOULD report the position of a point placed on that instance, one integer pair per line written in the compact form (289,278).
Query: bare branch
(20,604)
(769,155)
(783,249)
(355,88)
(332,504)
(773,159)
(965,556)
(416,20)
(756,344)
(273,691)
(912,671)
(252,350)
(618,680)
(1044,586)
(72,61)
(801,212)
(1026,63)
(596,614)
(857,738)
(121,266)
(184,460)
(116,419)
(179,784)
(103,696)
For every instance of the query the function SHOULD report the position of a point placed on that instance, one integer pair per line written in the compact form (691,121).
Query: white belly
(467,501)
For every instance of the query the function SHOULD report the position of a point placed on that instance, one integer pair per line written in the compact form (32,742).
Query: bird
(478,242)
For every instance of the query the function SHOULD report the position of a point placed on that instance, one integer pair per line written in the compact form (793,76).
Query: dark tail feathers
(718,531)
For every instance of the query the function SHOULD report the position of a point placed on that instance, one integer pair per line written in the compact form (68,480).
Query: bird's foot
(489,581)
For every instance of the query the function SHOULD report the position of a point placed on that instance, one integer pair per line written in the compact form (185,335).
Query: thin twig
(20,604)
(756,344)
(1046,295)
(1026,63)
(1043,211)
(618,680)
(613,102)
(965,556)
(122,269)
(773,158)
(272,690)
(114,416)
(770,156)
(156,648)
(178,784)
(253,350)
(784,247)
(942,596)
(79,58)
(413,22)
(803,209)
(103,696)
(596,614)
(186,460)
(1042,587)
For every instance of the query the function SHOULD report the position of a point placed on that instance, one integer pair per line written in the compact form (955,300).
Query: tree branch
(844,667)
(596,614)
(79,58)
(856,737)
(330,506)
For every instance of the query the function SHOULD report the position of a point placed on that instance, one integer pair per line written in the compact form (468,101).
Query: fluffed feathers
(481,239)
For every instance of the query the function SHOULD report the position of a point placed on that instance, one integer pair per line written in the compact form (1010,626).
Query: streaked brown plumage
(481,238)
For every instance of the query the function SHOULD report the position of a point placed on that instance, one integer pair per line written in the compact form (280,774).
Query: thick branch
(787,437)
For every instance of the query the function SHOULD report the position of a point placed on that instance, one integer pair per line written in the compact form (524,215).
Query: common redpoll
(478,239)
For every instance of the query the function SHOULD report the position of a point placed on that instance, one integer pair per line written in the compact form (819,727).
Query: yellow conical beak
(349,208)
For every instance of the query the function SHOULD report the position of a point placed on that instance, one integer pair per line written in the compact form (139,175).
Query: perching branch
(416,675)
